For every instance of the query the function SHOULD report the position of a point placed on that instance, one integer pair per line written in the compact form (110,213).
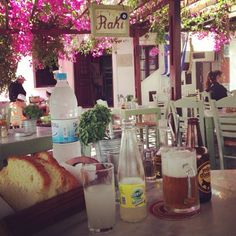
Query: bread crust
(48,180)
(24,182)
(35,165)
(69,181)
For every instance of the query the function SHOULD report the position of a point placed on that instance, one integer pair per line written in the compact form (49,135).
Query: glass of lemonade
(99,193)
(179,173)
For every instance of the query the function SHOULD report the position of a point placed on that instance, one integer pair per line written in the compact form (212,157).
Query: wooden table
(17,145)
(216,217)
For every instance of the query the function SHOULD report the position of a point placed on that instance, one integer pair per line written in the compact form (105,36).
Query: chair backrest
(164,108)
(126,113)
(183,109)
(206,97)
(147,118)
(233,92)
(224,115)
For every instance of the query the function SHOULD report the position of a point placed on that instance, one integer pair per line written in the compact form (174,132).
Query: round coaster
(158,210)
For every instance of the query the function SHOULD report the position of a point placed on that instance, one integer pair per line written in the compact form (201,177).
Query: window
(44,77)
(148,63)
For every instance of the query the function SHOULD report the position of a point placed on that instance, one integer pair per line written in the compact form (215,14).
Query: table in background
(216,217)
(18,145)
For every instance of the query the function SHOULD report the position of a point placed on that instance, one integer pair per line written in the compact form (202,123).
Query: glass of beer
(99,193)
(179,173)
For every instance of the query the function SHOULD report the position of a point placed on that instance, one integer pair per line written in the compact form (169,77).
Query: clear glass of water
(99,193)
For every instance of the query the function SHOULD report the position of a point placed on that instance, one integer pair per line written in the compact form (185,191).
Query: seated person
(216,90)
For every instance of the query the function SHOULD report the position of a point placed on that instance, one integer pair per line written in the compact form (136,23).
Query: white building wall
(25,68)
(123,70)
(156,82)
(232,66)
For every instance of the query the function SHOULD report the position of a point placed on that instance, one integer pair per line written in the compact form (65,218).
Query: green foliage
(129,97)
(46,50)
(160,23)
(213,19)
(132,3)
(32,112)
(87,46)
(8,64)
(93,124)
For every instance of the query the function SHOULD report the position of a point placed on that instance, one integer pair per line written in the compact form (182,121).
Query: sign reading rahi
(107,20)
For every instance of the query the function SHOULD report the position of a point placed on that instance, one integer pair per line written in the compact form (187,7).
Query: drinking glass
(179,173)
(99,193)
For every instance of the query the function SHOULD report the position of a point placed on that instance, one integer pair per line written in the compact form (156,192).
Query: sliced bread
(65,181)
(24,182)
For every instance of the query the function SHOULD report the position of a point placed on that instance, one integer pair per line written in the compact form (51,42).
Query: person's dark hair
(210,75)
(218,73)
(214,75)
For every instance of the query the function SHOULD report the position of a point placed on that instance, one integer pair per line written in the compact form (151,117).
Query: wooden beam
(175,48)
(144,14)
(48,31)
(137,71)
(200,5)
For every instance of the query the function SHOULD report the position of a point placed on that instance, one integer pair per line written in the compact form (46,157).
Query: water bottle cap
(61,76)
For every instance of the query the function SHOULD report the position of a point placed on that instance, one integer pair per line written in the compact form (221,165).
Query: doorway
(202,69)
(93,79)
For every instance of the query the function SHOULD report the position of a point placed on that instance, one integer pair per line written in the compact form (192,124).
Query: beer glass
(179,172)
(99,193)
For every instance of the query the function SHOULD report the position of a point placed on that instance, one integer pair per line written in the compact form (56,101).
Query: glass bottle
(194,139)
(131,177)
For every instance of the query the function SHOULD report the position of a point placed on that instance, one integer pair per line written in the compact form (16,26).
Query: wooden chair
(183,109)
(224,115)
(146,122)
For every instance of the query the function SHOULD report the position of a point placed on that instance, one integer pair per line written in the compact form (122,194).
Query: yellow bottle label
(132,195)
(204,177)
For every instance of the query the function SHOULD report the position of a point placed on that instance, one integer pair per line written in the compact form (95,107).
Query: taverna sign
(109,20)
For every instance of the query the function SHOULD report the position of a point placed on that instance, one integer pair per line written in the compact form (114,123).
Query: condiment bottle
(131,177)
(194,139)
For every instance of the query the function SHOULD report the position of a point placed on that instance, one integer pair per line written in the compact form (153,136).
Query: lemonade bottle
(131,177)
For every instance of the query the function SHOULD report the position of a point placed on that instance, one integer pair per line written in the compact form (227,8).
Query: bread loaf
(26,181)
(63,180)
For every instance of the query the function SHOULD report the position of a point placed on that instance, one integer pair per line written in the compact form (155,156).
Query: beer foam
(176,163)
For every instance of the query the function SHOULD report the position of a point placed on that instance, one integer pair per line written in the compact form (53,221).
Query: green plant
(93,124)
(129,97)
(32,112)
(8,64)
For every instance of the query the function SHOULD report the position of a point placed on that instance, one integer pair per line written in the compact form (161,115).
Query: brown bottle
(194,139)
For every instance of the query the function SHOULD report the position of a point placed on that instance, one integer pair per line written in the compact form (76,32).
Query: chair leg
(147,136)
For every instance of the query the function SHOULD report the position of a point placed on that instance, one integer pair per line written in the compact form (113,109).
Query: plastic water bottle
(64,120)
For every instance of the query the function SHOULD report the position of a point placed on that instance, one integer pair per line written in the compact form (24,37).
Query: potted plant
(94,129)
(32,113)
(93,124)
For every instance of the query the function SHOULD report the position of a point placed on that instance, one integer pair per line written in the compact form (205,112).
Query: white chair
(166,136)
(233,92)
(183,109)
(224,115)
(146,123)
(205,97)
